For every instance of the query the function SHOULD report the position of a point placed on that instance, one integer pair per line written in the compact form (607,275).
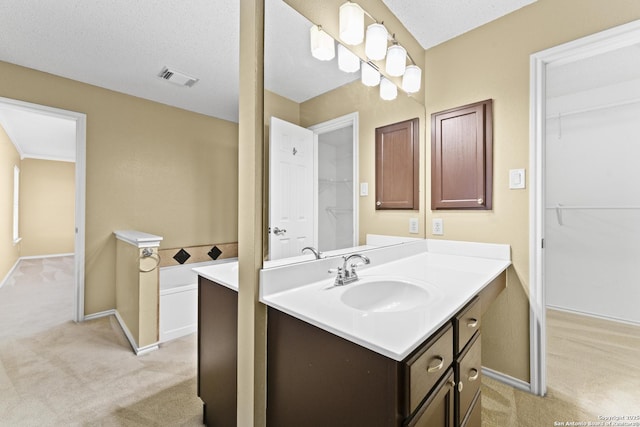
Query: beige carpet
(54,372)
(593,371)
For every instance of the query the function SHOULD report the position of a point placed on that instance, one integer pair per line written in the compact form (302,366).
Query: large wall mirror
(320,143)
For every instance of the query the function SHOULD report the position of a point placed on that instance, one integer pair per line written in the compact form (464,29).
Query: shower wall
(592,221)
(335,190)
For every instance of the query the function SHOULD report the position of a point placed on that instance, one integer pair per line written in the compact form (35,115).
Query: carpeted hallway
(55,372)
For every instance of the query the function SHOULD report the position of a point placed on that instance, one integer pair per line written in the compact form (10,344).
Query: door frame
(80,189)
(341,122)
(605,41)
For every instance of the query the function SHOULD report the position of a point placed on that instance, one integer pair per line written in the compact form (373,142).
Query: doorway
(336,180)
(585,96)
(79,119)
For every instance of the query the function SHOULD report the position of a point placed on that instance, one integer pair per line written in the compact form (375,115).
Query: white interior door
(291,201)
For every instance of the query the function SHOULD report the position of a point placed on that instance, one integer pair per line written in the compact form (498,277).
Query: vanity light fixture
(347,60)
(412,78)
(369,76)
(396,60)
(351,23)
(388,90)
(322,44)
(375,45)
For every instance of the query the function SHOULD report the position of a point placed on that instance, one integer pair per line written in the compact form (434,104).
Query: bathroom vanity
(218,343)
(399,346)
(405,359)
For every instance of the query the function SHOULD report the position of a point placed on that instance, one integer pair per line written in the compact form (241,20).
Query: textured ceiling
(122,45)
(435,21)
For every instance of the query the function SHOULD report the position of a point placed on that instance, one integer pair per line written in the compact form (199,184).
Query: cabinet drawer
(467,322)
(425,368)
(469,368)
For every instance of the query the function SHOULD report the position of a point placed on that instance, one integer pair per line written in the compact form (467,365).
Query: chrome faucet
(316,252)
(347,273)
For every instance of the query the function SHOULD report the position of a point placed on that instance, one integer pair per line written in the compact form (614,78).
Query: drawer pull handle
(475,375)
(451,383)
(437,367)
(472,323)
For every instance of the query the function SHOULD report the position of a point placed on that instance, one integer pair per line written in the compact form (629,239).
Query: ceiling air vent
(177,77)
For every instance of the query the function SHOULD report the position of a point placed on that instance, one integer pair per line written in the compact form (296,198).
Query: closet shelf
(559,208)
(595,108)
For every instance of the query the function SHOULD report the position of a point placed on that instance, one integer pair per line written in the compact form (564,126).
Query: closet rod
(586,207)
(599,107)
(559,208)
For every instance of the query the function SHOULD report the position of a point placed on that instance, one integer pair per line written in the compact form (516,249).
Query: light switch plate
(437,228)
(413,225)
(364,188)
(516,179)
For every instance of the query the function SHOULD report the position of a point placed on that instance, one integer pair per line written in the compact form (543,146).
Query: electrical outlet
(437,227)
(413,225)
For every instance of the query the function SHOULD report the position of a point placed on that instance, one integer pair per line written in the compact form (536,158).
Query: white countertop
(225,274)
(452,272)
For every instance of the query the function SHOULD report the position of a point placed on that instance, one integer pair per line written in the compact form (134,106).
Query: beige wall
(493,62)
(150,167)
(9,157)
(373,112)
(47,203)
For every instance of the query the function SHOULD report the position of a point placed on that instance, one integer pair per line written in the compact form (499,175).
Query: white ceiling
(435,21)
(122,45)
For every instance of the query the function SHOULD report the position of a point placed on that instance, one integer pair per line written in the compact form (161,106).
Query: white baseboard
(11,270)
(98,315)
(507,379)
(134,346)
(47,256)
(595,316)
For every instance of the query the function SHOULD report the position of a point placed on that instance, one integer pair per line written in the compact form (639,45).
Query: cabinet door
(217,352)
(462,157)
(469,368)
(438,410)
(397,166)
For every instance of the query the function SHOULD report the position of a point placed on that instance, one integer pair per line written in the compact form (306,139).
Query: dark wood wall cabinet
(462,157)
(397,165)
(217,352)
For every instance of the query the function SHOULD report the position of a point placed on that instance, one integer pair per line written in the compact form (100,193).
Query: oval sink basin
(383,295)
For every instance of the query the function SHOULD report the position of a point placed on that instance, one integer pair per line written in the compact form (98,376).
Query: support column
(251,313)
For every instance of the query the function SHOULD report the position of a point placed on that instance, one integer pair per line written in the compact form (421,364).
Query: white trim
(80,189)
(8,275)
(593,315)
(47,256)
(134,346)
(351,119)
(100,314)
(139,239)
(506,379)
(605,41)
(42,157)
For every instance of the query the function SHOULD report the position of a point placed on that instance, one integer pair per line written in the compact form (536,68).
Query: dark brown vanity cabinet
(217,352)
(315,378)
(462,157)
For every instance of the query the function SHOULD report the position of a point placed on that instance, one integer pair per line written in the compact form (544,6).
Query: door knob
(279,232)
(480,201)
(378,203)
